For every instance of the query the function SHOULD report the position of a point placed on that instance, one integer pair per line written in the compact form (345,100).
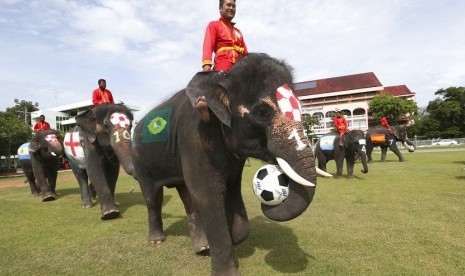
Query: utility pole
(25,103)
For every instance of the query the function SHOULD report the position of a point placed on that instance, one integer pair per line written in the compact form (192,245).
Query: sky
(54,51)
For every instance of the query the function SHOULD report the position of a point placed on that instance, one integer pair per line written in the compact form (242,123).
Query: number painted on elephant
(295,135)
(120,119)
(288,103)
(157,126)
(391,141)
(126,136)
(362,142)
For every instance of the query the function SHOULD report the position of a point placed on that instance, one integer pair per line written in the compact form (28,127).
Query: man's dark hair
(42,116)
(222,2)
(100,80)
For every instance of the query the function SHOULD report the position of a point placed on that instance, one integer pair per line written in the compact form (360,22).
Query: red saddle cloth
(378,138)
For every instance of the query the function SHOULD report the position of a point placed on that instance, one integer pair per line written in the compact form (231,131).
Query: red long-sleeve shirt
(99,97)
(41,126)
(227,44)
(340,124)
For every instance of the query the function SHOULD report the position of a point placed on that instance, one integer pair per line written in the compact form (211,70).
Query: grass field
(399,219)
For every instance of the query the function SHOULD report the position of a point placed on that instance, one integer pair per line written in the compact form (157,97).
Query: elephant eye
(262,112)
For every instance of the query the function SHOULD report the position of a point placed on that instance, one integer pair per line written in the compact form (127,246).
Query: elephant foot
(350,176)
(87,205)
(156,238)
(36,194)
(49,198)
(112,214)
(203,251)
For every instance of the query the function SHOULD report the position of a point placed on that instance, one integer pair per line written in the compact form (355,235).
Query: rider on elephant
(101,94)
(227,42)
(341,126)
(41,124)
(384,123)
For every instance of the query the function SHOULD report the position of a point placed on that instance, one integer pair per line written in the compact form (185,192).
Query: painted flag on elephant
(157,126)
(378,138)
(327,142)
(72,145)
(23,152)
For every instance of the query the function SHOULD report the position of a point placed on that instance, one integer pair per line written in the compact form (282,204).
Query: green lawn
(399,219)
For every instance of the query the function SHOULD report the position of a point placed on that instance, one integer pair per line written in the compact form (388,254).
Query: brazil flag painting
(157,126)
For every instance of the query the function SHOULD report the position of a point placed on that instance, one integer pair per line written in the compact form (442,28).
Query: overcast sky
(53,51)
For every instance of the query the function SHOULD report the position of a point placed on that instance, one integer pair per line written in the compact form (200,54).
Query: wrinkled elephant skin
(173,147)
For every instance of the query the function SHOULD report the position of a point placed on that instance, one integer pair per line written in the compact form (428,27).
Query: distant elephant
(106,141)
(26,165)
(381,137)
(254,114)
(45,151)
(328,148)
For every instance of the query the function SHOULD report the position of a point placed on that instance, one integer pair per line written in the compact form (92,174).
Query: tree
(23,111)
(446,114)
(392,108)
(13,133)
(308,122)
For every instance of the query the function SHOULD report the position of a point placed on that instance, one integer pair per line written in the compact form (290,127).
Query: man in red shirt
(341,125)
(227,42)
(384,123)
(41,124)
(102,95)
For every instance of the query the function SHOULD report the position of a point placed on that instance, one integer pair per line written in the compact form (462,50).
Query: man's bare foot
(202,107)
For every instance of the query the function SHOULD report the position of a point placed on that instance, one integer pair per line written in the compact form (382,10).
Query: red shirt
(227,44)
(41,126)
(385,123)
(340,124)
(99,97)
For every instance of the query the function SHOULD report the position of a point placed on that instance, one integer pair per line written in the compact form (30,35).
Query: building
(63,117)
(351,94)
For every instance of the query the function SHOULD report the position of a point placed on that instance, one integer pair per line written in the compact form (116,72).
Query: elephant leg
(154,200)
(339,166)
(350,161)
(52,175)
(40,174)
(112,173)
(32,183)
(99,175)
(383,154)
(396,151)
(322,163)
(196,231)
(83,181)
(369,149)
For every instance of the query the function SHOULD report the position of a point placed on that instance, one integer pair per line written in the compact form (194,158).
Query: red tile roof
(398,90)
(337,84)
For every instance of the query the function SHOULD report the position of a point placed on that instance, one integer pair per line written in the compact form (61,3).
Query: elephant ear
(34,145)
(86,121)
(213,85)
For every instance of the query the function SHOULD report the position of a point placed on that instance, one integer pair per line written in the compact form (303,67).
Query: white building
(351,94)
(63,117)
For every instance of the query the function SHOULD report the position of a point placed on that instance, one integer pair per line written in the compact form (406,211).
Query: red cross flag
(73,146)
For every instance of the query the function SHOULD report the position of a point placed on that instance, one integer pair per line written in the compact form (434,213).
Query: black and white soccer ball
(271,185)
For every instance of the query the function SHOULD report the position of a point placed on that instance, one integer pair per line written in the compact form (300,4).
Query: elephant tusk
(54,154)
(292,174)
(322,173)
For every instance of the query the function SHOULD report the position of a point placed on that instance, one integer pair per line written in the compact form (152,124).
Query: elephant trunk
(56,149)
(121,144)
(292,147)
(409,145)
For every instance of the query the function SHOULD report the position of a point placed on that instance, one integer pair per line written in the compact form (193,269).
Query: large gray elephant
(105,138)
(327,148)
(254,114)
(45,151)
(380,137)
(24,159)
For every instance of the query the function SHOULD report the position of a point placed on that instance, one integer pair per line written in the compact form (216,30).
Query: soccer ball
(271,185)
(288,103)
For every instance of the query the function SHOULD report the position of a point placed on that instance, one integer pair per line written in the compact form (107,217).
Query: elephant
(104,139)
(380,137)
(26,165)
(327,148)
(45,151)
(253,113)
